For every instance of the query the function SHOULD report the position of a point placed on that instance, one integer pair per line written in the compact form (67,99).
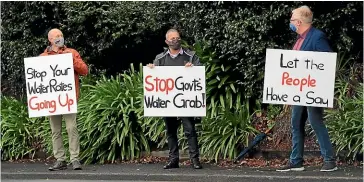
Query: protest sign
(50,85)
(174,91)
(303,78)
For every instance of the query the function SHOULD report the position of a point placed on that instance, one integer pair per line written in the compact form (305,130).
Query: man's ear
(166,41)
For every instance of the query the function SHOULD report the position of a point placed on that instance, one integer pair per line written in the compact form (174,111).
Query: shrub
(110,119)
(224,134)
(345,121)
(222,91)
(238,32)
(20,136)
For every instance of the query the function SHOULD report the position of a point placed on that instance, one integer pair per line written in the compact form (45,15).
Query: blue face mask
(292,27)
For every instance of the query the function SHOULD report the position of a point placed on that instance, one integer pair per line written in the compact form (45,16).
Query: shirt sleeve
(196,60)
(79,65)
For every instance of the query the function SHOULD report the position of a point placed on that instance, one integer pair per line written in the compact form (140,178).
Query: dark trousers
(315,116)
(172,125)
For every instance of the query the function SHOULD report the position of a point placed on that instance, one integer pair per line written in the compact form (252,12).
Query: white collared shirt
(175,55)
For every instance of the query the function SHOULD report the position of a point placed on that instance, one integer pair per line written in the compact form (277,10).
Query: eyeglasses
(175,38)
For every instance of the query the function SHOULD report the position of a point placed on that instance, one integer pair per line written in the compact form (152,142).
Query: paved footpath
(19,172)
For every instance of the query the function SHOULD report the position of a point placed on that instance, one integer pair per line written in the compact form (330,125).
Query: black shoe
(328,167)
(196,164)
(58,165)
(76,165)
(171,164)
(291,167)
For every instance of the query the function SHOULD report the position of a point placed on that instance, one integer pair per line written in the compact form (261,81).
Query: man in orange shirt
(56,39)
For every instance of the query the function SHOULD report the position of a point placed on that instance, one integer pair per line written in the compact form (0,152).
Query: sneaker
(328,167)
(76,165)
(58,165)
(291,167)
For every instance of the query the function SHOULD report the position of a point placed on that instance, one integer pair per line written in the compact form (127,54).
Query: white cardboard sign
(174,91)
(50,85)
(303,78)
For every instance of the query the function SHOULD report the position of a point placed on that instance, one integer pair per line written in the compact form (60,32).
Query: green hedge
(111,35)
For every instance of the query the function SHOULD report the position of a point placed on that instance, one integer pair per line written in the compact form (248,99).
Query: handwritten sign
(174,91)
(299,78)
(50,85)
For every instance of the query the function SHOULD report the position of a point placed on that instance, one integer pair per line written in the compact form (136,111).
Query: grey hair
(171,30)
(305,14)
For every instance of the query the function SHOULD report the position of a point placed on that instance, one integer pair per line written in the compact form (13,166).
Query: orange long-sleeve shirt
(79,66)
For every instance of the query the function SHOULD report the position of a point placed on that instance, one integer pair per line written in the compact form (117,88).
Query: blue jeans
(315,116)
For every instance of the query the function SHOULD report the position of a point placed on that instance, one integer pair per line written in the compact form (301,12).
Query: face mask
(292,27)
(174,44)
(59,42)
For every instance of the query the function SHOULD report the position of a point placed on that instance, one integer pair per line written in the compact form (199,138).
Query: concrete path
(11,172)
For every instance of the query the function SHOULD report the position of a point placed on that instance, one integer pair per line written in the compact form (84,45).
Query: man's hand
(189,64)
(150,65)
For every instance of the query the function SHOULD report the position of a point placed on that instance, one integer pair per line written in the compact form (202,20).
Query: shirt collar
(175,55)
(49,49)
(303,35)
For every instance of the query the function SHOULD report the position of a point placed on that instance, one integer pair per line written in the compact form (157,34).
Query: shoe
(58,165)
(328,167)
(196,164)
(76,165)
(291,167)
(171,164)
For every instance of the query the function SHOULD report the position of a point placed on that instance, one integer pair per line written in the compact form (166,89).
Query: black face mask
(174,44)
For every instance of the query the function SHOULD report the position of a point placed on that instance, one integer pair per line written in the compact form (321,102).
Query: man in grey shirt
(175,55)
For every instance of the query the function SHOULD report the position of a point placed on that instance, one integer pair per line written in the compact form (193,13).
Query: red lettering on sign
(158,84)
(309,82)
(69,102)
(34,105)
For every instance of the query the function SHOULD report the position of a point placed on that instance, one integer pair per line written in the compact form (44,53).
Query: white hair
(305,14)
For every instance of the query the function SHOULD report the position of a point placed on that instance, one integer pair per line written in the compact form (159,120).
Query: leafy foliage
(21,135)
(17,129)
(222,135)
(110,121)
(221,89)
(345,122)
(107,32)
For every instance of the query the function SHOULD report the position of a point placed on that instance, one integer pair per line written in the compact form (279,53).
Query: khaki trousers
(73,137)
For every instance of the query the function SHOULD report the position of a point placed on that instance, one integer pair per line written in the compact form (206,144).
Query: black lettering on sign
(275,97)
(185,103)
(58,72)
(159,103)
(59,87)
(316,100)
(296,98)
(40,89)
(35,74)
(184,86)
(289,64)
(312,64)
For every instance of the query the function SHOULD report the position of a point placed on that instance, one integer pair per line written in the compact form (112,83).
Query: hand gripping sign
(174,91)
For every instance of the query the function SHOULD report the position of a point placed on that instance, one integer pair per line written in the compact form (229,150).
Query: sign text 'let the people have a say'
(303,78)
